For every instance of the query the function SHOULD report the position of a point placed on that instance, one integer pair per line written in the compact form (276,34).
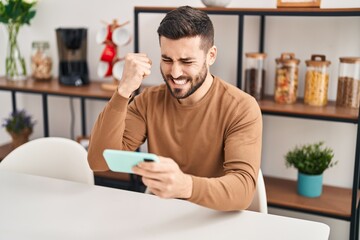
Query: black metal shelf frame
(263,13)
(44,96)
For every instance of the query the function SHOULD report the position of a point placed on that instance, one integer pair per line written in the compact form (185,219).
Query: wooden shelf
(334,201)
(299,109)
(256,10)
(304,11)
(53,87)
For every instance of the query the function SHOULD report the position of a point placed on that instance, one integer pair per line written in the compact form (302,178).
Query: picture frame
(298,3)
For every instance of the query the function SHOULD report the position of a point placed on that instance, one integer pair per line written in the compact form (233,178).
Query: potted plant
(14,14)
(311,160)
(19,125)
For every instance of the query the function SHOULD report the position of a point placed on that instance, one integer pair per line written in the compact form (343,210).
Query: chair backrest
(259,202)
(51,157)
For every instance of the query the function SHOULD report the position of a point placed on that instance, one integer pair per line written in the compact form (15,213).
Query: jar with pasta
(348,91)
(255,75)
(41,63)
(316,81)
(286,78)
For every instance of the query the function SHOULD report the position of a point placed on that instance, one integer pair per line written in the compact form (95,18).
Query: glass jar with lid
(286,78)
(41,63)
(317,80)
(255,74)
(348,90)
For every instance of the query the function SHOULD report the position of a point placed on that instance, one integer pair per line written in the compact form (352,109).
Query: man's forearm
(107,132)
(228,193)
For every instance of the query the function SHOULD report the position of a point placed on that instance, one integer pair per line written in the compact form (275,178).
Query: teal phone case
(123,161)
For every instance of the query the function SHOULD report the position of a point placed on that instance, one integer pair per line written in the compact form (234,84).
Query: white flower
(30,1)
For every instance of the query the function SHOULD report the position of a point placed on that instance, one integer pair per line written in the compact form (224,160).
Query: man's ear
(211,56)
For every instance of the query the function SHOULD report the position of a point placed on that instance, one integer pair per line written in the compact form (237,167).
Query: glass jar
(286,78)
(41,63)
(316,81)
(255,75)
(348,91)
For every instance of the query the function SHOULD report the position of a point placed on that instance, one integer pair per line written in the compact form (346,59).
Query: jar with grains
(286,78)
(255,75)
(316,81)
(348,90)
(41,63)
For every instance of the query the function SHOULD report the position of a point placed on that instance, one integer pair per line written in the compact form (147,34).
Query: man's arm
(109,129)
(107,132)
(235,190)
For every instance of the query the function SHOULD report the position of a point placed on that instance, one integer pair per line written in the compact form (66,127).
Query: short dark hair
(188,22)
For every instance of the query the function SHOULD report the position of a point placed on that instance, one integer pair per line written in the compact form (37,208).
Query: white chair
(259,202)
(51,157)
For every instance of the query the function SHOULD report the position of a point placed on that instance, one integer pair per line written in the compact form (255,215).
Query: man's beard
(195,82)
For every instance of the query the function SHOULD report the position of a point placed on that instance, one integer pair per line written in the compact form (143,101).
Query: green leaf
(28,17)
(16,11)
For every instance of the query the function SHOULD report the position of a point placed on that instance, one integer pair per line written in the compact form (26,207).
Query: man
(206,132)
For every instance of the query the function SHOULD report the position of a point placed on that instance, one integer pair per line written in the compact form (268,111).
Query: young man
(206,132)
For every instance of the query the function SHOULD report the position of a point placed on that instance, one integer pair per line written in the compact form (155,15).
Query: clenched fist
(137,67)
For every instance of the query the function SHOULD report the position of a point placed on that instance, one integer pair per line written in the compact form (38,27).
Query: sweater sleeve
(112,127)
(234,190)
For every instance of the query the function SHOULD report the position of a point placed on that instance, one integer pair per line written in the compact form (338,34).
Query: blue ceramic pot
(309,185)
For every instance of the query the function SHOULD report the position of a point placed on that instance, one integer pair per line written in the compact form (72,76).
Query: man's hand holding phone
(164,178)
(161,175)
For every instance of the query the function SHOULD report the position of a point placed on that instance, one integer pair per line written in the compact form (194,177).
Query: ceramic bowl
(216,3)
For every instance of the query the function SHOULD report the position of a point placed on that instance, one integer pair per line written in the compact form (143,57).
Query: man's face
(183,65)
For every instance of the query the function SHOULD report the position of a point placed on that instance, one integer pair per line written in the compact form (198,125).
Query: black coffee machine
(72,48)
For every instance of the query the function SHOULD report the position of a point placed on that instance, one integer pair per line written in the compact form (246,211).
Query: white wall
(334,37)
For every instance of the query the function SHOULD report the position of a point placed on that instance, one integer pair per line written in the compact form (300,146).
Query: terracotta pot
(20,138)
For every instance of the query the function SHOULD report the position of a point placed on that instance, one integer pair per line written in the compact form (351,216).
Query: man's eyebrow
(181,59)
(187,59)
(164,56)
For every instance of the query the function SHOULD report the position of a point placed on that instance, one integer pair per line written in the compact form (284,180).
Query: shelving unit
(335,202)
(53,88)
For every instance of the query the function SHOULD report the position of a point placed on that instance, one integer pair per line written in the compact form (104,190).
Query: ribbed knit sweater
(217,140)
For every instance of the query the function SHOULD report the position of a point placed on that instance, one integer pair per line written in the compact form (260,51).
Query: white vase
(216,3)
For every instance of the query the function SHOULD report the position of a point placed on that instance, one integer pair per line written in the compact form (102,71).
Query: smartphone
(124,161)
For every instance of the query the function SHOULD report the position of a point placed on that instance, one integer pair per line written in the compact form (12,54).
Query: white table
(33,207)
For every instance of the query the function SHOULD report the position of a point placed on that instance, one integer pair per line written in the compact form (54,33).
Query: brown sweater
(216,140)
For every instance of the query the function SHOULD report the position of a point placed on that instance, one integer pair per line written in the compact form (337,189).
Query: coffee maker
(72,49)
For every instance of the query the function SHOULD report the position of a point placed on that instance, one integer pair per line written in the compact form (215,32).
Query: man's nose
(176,70)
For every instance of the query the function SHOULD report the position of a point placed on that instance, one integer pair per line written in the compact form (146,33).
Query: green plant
(17,12)
(14,14)
(311,159)
(18,121)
